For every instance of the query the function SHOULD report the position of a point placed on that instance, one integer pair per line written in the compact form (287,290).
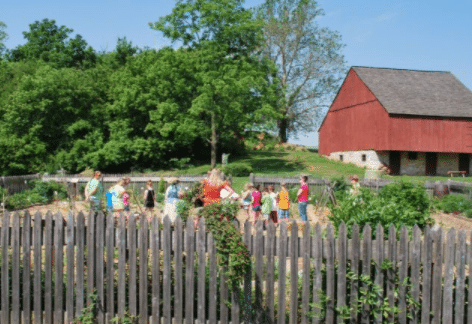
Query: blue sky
(421,35)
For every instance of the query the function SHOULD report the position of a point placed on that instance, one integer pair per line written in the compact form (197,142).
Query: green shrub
(293,194)
(43,192)
(183,209)
(161,188)
(455,204)
(396,204)
(160,197)
(237,169)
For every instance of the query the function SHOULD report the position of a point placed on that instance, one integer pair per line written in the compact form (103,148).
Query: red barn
(414,122)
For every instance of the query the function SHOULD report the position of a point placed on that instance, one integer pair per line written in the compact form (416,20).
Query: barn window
(340,157)
(364,158)
(412,155)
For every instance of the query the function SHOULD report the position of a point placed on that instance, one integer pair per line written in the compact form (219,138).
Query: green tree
(3,37)
(232,85)
(51,111)
(309,60)
(50,43)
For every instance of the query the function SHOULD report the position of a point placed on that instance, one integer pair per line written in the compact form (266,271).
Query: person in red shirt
(213,186)
(256,202)
(302,195)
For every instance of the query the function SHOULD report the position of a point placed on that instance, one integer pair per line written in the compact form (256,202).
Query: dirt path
(314,216)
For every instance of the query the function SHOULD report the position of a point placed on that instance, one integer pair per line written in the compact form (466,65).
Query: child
(149,199)
(266,205)
(284,203)
(273,210)
(126,202)
(246,197)
(256,202)
(355,185)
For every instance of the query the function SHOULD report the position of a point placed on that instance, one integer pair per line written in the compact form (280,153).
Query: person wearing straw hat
(171,198)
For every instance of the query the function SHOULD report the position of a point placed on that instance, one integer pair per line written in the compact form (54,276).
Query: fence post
(252,178)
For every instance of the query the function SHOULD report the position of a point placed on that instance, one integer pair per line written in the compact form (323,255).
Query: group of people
(271,205)
(118,196)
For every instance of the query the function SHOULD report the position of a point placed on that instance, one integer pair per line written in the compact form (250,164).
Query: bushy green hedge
(43,192)
(237,169)
(396,204)
(455,204)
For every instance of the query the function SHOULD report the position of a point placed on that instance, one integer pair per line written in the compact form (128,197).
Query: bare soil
(446,221)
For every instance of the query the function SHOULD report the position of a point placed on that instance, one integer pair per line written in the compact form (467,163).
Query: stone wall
(372,158)
(446,161)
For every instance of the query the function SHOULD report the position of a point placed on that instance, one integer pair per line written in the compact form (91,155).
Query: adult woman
(94,191)
(171,198)
(302,195)
(212,188)
(117,192)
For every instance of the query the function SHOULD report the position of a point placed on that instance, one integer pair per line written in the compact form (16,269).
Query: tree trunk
(283,126)
(214,140)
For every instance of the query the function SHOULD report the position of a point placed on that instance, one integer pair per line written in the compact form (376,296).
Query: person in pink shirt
(256,202)
(302,195)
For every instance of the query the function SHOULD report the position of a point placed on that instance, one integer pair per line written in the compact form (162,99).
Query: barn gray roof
(424,93)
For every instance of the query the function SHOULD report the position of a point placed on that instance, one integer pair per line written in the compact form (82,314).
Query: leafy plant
(455,204)
(89,313)
(396,204)
(161,188)
(237,169)
(233,255)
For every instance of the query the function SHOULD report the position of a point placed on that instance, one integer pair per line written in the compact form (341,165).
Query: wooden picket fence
(52,266)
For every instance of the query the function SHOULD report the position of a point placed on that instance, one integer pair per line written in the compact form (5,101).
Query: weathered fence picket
(128,259)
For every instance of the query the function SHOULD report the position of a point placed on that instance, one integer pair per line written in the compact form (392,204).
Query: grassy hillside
(294,163)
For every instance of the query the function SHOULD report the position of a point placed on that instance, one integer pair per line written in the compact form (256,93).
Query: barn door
(394,162)
(464,162)
(431,163)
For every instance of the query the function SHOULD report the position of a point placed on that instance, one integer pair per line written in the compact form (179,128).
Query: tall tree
(50,43)
(309,61)
(3,37)
(221,37)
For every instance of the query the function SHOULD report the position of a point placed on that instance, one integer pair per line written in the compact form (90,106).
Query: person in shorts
(256,202)
(284,203)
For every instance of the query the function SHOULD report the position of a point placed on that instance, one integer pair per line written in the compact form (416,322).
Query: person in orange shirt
(213,186)
(284,203)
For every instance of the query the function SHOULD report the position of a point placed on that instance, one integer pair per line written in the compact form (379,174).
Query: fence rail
(166,272)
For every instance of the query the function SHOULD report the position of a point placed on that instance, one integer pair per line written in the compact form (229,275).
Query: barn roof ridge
(416,92)
(397,69)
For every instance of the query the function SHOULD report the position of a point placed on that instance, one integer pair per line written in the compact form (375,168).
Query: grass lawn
(294,163)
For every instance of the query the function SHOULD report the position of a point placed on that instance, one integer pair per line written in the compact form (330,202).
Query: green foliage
(42,192)
(161,187)
(50,43)
(3,37)
(237,169)
(293,194)
(183,209)
(396,204)
(160,197)
(194,194)
(372,295)
(89,313)
(233,255)
(455,204)
(309,60)
(231,82)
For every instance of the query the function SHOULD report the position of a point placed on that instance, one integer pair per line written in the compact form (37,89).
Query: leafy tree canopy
(231,79)
(309,61)
(3,37)
(50,43)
